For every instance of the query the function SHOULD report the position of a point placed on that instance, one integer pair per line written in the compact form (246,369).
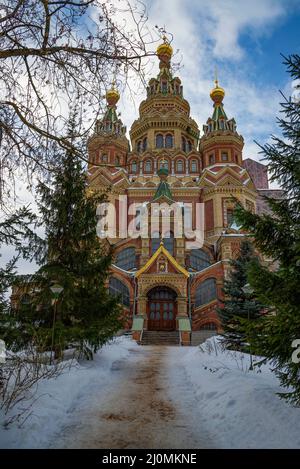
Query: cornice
(218,138)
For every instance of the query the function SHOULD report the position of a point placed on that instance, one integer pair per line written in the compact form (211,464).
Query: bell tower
(108,146)
(224,179)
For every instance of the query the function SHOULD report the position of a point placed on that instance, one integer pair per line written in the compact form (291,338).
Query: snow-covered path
(135,409)
(131,396)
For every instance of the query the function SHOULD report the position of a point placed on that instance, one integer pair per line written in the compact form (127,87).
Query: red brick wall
(209,215)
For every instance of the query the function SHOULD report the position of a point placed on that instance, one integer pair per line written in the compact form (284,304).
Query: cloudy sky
(244,40)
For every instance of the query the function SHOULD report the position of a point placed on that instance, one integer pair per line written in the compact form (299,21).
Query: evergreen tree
(238,305)
(72,256)
(277,235)
(16,230)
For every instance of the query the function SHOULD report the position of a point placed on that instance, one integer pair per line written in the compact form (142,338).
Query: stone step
(160,338)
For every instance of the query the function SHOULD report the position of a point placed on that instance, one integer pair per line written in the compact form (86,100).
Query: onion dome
(217,93)
(164,52)
(163,173)
(112,96)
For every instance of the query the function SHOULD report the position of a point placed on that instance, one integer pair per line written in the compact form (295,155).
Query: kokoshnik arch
(164,285)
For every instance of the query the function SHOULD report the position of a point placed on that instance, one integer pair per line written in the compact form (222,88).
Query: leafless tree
(21,375)
(53,52)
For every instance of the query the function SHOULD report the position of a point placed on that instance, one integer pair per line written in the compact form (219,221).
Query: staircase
(160,338)
(198,337)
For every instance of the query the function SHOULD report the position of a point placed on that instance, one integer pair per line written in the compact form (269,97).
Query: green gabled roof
(163,190)
(219,112)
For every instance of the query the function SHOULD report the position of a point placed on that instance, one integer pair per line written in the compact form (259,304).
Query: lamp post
(248,291)
(56,291)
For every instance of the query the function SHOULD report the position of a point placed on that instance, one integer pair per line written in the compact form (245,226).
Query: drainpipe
(134,298)
(189,295)
(190,301)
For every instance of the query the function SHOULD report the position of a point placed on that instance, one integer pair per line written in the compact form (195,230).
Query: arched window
(145,144)
(125,259)
(25,299)
(134,167)
(164,86)
(117,161)
(224,156)
(169,242)
(148,166)
(139,146)
(189,145)
(104,158)
(211,159)
(159,141)
(199,259)
(155,242)
(169,141)
(183,144)
(194,166)
(222,124)
(206,292)
(118,288)
(179,166)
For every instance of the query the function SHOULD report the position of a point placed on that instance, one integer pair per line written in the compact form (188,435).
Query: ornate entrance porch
(161,309)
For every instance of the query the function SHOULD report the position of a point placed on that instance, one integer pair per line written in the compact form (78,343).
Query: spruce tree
(86,316)
(277,235)
(15,229)
(238,306)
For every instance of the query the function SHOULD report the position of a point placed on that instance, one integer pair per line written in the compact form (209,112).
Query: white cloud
(205,32)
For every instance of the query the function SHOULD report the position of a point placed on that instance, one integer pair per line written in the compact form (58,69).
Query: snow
(217,400)
(239,407)
(56,398)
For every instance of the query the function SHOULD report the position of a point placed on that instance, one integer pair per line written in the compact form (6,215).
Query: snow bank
(240,408)
(56,398)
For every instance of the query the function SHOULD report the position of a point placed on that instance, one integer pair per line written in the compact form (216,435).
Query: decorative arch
(159,141)
(162,283)
(180,165)
(148,166)
(194,165)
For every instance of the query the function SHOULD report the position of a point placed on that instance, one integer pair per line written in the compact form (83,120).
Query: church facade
(166,282)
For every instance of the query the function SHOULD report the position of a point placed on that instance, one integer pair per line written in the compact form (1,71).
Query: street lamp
(56,290)
(248,291)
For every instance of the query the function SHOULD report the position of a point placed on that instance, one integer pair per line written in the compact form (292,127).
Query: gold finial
(216,78)
(217,93)
(164,50)
(161,240)
(112,95)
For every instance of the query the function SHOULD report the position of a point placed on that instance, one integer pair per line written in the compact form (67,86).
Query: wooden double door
(162,309)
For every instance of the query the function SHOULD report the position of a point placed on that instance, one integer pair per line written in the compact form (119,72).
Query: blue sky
(244,40)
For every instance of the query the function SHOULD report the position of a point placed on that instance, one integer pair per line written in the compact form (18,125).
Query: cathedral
(165,282)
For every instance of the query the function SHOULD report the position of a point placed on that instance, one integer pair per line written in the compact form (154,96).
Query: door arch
(162,309)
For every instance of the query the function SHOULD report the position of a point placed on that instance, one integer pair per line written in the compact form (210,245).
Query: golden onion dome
(164,49)
(112,96)
(217,93)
